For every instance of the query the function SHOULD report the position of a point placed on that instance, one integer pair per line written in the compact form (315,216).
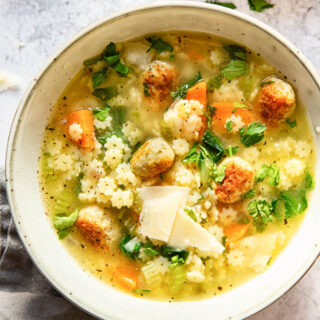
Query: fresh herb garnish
(130,246)
(250,194)
(240,105)
(308,181)
(159,45)
(214,146)
(150,250)
(292,124)
(91,61)
(180,255)
(295,202)
(101,114)
(229,5)
(190,213)
(78,188)
(112,56)
(192,155)
(146,89)
(236,52)
(220,173)
(63,223)
(141,291)
(261,211)
(212,110)
(106,93)
(118,114)
(253,134)
(279,209)
(98,77)
(265,83)
(231,151)
(182,91)
(259,5)
(229,125)
(215,83)
(235,69)
(272,171)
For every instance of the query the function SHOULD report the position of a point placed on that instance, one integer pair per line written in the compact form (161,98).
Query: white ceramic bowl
(24,144)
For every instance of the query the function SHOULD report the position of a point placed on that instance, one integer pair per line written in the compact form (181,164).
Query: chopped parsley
(235,69)
(229,125)
(240,105)
(291,124)
(78,187)
(295,202)
(261,212)
(250,194)
(308,181)
(91,61)
(146,89)
(98,77)
(112,56)
(259,5)
(219,174)
(231,151)
(141,290)
(236,52)
(130,246)
(272,172)
(279,209)
(229,5)
(253,134)
(212,110)
(182,91)
(159,45)
(101,114)
(106,93)
(176,256)
(265,83)
(215,83)
(190,213)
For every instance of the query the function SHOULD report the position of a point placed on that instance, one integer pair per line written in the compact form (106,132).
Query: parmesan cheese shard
(186,232)
(160,206)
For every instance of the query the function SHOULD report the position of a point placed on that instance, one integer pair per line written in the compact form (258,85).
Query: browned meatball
(152,158)
(238,180)
(95,225)
(159,80)
(276,101)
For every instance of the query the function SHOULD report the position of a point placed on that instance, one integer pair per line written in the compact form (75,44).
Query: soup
(177,166)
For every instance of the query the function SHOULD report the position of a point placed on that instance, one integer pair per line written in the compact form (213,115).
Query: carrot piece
(224,111)
(235,232)
(84,118)
(194,55)
(127,277)
(198,92)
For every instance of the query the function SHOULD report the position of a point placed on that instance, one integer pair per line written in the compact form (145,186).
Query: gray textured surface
(43,26)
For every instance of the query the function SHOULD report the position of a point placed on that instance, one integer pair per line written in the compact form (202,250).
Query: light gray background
(31,31)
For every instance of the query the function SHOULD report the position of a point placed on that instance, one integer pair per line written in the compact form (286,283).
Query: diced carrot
(198,92)
(235,232)
(194,55)
(224,111)
(127,276)
(84,118)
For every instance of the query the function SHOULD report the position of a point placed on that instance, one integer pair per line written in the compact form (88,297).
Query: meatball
(158,81)
(152,158)
(94,223)
(275,102)
(185,119)
(238,180)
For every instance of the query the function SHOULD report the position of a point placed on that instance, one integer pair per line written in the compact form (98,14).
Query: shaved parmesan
(160,206)
(186,232)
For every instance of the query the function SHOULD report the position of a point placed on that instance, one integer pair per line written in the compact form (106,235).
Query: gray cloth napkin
(24,293)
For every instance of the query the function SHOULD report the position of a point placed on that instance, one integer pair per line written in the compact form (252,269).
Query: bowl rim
(122,14)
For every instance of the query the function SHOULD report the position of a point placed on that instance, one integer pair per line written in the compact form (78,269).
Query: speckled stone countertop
(31,31)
